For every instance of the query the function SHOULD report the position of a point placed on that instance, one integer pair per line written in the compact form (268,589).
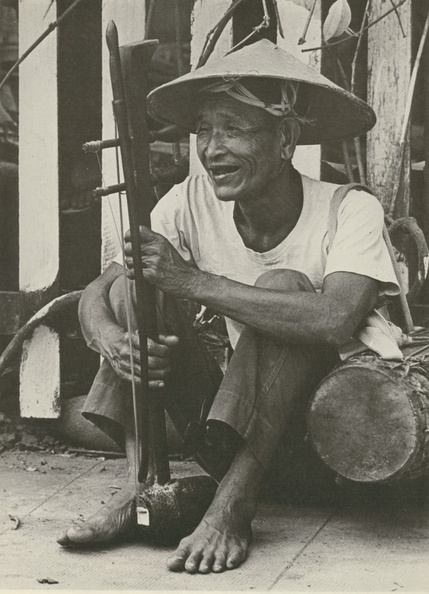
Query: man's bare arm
(103,333)
(95,314)
(302,318)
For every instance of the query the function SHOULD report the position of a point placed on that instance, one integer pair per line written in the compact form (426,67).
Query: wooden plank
(130,21)
(371,547)
(280,532)
(307,159)
(389,71)
(205,15)
(40,375)
(38,201)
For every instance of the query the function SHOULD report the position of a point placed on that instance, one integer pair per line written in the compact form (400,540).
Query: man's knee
(118,301)
(285,280)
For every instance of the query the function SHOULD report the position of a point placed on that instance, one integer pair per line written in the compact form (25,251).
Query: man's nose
(215,144)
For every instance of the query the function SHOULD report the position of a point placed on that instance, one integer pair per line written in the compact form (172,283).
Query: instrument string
(120,232)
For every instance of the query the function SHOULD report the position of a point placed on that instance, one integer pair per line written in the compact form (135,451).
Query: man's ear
(289,130)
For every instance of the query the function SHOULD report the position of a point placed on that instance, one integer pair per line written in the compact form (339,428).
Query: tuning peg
(107,190)
(93,146)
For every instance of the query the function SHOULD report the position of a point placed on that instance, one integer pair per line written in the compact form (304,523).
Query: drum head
(362,423)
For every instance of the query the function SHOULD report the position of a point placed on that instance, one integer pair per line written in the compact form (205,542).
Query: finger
(157,350)
(135,340)
(125,354)
(158,374)
(145,233)
(129,261)
(158,363)
(169,340)
(125,370)
(126,375)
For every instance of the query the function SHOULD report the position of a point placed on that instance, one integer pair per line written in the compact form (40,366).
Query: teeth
(223,170)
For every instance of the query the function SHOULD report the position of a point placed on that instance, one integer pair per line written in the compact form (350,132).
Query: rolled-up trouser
(265,388)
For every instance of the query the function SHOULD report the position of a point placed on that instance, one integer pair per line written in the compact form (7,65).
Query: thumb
(168,340)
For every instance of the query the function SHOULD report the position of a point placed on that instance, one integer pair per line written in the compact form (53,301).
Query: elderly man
(249,239)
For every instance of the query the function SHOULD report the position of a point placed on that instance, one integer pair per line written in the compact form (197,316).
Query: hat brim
(334,113)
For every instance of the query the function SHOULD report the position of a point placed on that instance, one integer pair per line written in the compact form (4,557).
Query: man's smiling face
(239,146)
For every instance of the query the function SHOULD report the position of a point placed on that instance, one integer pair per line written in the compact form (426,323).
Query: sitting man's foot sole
(112,522)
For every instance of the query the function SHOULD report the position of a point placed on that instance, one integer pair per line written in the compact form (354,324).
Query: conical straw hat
(334,113)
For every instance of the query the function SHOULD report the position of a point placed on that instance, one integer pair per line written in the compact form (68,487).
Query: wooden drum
(368,419)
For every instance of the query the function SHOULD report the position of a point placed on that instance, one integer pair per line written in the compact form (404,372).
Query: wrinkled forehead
(222,106)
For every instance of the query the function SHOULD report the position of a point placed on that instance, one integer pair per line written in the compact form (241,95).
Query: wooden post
(389,71)
(205,15)
(130,20)
(293,18)
(38,202)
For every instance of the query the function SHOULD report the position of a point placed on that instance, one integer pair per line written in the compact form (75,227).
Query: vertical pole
(293,18)
(389,71)
(129,17)
(38,202)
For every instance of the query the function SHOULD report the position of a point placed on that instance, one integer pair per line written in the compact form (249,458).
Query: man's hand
(162,265)
(118,355)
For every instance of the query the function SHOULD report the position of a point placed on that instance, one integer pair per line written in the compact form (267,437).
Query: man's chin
(226,194)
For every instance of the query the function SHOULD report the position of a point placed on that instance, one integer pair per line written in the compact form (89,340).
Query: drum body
(368,419)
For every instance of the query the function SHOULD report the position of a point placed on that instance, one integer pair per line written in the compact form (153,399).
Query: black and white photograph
(214,295)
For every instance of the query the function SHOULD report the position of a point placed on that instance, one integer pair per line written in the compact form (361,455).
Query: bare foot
(114,519)
(220,542)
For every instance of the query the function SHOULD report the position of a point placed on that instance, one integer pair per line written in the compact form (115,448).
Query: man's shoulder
(323,193)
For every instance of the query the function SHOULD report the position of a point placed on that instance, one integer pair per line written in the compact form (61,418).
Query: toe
(207,561)
(177,561)
(64,540)
(81,535)
(192,563)
(236,556)
(219,563)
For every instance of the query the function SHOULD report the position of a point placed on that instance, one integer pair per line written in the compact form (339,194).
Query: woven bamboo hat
(332,112)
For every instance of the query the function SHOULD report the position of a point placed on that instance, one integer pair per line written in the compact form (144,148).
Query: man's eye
(202,128)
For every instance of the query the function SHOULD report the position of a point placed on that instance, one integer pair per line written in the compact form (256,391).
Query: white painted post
(206,14)
(129,17)
(389,71)
(307,159)
(38,201)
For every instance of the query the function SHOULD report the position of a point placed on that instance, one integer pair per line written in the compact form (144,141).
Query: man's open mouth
(220,172)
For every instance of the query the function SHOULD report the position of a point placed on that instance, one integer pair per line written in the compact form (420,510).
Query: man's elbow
(339,331)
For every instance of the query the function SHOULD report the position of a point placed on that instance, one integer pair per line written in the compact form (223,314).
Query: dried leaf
(47,581)
(16,522)
(338,20)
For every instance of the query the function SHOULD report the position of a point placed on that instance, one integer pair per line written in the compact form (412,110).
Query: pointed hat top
(333,113)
